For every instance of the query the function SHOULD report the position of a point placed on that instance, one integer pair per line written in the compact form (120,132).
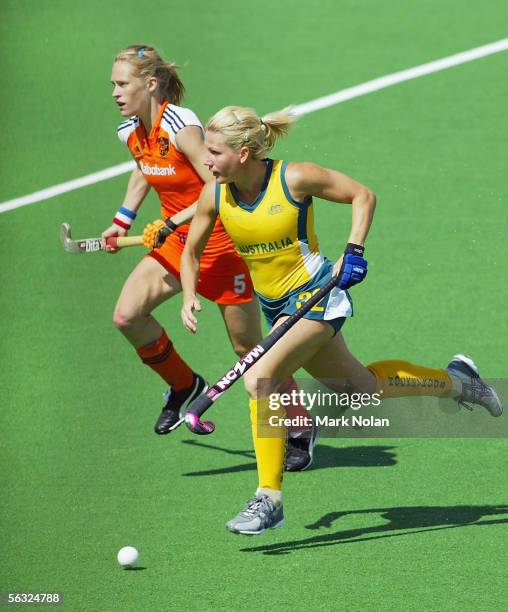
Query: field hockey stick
(203,402)
(92,245)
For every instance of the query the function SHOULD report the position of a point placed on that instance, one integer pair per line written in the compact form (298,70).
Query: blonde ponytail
(242,127)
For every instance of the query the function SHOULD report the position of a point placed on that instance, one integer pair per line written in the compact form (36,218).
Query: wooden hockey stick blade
(92,245)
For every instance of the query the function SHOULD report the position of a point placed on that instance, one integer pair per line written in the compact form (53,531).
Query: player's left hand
(353,266)
(155,234)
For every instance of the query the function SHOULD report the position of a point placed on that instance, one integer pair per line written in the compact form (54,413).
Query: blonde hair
(147,63)
(241,127)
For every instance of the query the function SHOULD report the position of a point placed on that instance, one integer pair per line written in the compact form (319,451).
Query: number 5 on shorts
(239,283)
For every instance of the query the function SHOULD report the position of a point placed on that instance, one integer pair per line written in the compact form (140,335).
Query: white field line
(51,192)
(400,77)
(299,110)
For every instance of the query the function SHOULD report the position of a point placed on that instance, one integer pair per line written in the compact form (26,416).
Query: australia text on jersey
(265,247)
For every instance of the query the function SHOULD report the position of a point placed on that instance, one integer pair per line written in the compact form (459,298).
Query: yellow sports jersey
(274,234)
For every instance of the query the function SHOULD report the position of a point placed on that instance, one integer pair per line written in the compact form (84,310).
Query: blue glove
(354,267)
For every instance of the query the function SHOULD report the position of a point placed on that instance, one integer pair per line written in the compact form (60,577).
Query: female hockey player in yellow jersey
(166,140)
(266,207)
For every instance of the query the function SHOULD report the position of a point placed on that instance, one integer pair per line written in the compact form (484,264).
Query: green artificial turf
(376,524)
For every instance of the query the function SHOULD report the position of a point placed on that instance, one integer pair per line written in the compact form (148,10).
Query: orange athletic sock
(162,357)
(396,378)
(270,452)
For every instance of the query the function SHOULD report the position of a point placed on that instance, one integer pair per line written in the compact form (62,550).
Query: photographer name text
(326,421)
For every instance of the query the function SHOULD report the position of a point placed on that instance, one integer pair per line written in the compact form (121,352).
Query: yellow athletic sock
(396,378)
(270,451)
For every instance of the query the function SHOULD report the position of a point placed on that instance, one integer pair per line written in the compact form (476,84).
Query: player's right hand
(353,269)
(112,230)
(190,305)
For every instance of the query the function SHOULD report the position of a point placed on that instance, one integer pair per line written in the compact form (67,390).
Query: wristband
(171,225)
(124,217)
(355,249)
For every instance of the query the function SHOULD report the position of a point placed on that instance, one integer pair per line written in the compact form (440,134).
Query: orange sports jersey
(167,169)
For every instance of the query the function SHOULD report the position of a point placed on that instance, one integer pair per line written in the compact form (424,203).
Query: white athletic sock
(275,496)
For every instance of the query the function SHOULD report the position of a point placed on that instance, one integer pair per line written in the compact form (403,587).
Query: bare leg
(294,349)
(339,369)
(288,354)
(243,325)
(148,286)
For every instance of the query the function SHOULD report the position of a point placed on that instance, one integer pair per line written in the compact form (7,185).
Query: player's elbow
(369,198)
(365,199)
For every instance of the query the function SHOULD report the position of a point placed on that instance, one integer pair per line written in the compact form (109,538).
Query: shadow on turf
(324,457)
(418,519)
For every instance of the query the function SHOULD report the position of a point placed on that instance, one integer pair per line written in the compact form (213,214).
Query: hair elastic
(141,53)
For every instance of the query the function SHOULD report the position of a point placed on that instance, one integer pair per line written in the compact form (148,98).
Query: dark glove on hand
(354,266)
(164,232)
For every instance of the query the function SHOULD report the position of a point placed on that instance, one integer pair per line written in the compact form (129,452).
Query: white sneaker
(474,389)
(260,514)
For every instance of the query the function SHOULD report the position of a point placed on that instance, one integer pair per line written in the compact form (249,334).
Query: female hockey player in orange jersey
(166,141)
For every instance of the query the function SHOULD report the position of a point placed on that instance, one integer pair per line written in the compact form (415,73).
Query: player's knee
(243,342)
(259,384)
(250,382)
(241,346)
(123,319)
